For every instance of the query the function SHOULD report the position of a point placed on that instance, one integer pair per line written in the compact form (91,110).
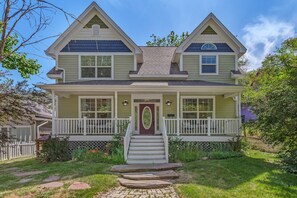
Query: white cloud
(262,38)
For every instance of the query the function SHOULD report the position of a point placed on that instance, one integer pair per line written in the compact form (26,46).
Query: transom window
(195,108)
(96,67)
(96,107)
(209,47)
(209,64)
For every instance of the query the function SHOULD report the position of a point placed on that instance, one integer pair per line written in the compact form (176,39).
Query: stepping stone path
(147,176)
(79,186)
(25,180)
(52,185)
(52,178)
(124,192)
(25,174)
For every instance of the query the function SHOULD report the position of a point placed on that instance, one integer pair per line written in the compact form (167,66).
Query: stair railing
(127,139)
(165,138)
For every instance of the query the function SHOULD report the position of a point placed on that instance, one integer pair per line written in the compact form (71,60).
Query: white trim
(135,63)
(217,65)
(95,97)
(96,53)
(206,138)
(89,137)
(199,97)
(181,62)
(52,49)
(209,49)
(159,77)
(207,53)
(96,67)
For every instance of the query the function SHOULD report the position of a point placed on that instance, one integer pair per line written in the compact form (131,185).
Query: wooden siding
(225,107)
(122,65)
(191,64)
(68,107)
(124,111)
(70,64)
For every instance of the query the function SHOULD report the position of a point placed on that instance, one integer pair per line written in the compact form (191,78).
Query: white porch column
(53,113)
(116,111)
(177,112)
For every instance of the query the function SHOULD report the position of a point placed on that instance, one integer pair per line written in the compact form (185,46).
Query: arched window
(208,46)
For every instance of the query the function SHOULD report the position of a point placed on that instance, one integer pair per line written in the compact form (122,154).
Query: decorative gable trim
(221,47)
(208,30)
(52,51)
(242,49)
(96,21)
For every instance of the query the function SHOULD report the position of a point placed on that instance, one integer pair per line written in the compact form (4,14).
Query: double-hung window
(96,107)
(209,65)
(96,67)
(195,108)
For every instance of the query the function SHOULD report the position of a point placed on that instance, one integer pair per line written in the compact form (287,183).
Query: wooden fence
(17,150)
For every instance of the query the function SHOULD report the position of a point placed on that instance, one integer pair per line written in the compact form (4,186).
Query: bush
(189,155)
(289,160)
(95,155)
(55,149)
(224,154)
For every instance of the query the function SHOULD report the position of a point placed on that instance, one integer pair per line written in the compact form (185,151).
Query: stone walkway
(123,192)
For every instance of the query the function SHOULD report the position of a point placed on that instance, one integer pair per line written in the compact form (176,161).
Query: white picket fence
(17,150)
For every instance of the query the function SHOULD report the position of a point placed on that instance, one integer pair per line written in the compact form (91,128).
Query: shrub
(189,155)
(289,160)
(55,149)
(224,154)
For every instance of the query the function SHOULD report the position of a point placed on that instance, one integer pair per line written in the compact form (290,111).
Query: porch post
(239,113)
(116,111)
(53,113)
(177,112)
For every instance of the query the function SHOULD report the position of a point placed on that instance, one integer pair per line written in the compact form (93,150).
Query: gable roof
(220,24)
(51,50)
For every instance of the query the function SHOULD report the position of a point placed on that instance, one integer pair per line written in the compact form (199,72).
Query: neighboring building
(106,84)
(247,114)
(25,131)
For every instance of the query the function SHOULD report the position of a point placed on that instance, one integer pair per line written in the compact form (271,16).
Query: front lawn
(255,175)
(95,174)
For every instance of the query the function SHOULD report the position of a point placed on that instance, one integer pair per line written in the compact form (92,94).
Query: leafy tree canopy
(271,91)
(171,40)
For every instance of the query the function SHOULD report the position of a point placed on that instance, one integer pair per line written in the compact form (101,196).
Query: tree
(36,14)
(272,94)
(171,40)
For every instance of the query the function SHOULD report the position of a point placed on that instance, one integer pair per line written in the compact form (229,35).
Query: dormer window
(208,47)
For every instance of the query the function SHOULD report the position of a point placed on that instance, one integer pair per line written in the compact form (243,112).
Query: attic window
(208,47)
(96,29)
(96,21)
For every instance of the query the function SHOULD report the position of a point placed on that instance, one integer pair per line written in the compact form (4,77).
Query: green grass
(95,174)
(257,174)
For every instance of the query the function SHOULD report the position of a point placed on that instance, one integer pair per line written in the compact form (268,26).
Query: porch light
(168,102)
(125,103)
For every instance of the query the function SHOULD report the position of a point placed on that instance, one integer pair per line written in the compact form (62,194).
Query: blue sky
(260,25)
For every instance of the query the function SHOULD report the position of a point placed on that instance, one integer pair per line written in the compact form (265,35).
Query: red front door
(147,119)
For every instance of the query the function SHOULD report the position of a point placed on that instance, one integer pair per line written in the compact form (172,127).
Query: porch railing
(89,126)
(165,139)
(207,127)
(127,139)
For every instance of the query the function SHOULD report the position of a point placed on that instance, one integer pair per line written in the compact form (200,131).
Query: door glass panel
(158,118)
(146,117)
(136,118)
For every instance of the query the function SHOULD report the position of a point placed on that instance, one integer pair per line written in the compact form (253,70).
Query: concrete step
(146,161)
(147,184)
(147,141)
(145,167)
(145,157)
(168,174)
(146,148)
(147,152)
(146,137)
(146,144)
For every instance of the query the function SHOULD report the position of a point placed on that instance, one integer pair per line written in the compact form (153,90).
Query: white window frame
(96,78)
(197,111)
(209,49)
(95,97)
(217,64)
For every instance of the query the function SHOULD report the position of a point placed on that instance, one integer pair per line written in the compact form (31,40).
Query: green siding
(70,64)
(225,107)
(122,65)
(68,107)
(169,109)
(208,30)
(124,111)
(191,63)
(96,20)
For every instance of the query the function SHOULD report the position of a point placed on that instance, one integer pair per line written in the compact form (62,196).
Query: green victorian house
(107,84)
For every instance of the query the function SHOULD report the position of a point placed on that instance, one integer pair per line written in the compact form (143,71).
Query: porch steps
(147,176)
(146,150)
